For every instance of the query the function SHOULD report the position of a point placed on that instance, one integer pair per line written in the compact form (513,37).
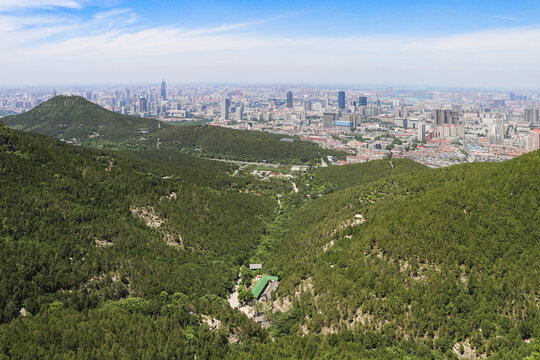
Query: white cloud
(107,48)
(7,5)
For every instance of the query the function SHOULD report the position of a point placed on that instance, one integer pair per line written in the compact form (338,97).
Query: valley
(116,249)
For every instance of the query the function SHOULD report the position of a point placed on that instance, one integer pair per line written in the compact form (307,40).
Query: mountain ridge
(76,120)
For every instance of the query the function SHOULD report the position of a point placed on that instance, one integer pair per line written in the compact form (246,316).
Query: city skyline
(448,45)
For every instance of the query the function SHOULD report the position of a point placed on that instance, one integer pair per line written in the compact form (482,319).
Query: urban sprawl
(436,128)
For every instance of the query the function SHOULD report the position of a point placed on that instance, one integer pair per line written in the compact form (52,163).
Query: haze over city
(444,44)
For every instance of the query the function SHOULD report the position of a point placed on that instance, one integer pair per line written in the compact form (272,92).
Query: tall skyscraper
(531,115)
(225,104)
(143,104)
(445,117)
(307,105)
(341,100)
(163,90)
(362,101)
(289,100)
(421,132)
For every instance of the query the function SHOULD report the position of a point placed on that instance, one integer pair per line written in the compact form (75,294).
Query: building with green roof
(261,285)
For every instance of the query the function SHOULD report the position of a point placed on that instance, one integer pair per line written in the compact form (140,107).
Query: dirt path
(233,299)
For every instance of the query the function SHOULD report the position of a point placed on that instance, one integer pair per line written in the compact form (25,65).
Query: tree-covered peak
(79,121)
(68,100)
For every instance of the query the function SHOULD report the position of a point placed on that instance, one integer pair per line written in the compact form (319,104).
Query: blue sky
(359,43)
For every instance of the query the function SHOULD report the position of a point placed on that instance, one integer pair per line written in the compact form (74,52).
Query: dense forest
(132,253)
(340,177)
(446,258)
(79,226)
(225,143)
(75,120)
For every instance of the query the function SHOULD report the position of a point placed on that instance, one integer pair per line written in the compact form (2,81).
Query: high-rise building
(328,120)
(534,140)
(531,115)
(352,121)
(500,128)
(341,100)
(445,117)
(225,104)
(345,123)
(362,101)
(421,132)
(143,104)
(289,100)
(163,90)
(307,105)
(496,132)
(239,113)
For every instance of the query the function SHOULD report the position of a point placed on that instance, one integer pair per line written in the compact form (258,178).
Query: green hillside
(220,142)
(83,226)
(340,177)
(444,258)
(75,119)
(131,254)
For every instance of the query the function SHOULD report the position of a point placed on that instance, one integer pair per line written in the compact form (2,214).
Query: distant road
(244,162)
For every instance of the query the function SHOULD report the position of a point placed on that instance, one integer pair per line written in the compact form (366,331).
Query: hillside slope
(75,119)
(84,226)
(341,177)
(130,255)
(221,142)
(447,258)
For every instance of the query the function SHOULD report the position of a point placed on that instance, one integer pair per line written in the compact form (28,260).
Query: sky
(415,43)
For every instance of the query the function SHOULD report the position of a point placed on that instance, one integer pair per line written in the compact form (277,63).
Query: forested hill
(225,143)
(75,119)
(340,177)
(82,227)
(445,258)
(131,254)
